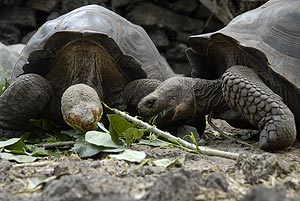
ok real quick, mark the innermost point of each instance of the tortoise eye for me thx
(150, 103)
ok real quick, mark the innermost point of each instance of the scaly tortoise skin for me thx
(73, 62)
(245, 72)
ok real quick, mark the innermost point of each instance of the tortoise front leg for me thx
(246, 92)
(23, 100)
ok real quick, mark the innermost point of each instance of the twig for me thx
(56, 144)
(202, 149)
(223, 134)
(35, 164)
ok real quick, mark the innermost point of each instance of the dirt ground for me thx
(256, 176)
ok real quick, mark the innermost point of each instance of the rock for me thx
(53, 15)
(46, 5)
(217, 181)
(182, 37)
(159, 38)
(183, 68)
(176, 185)
(121, 3)
(262, 193)
(148, 14)
(177, 52)
(68, 5)
(11, 2)
(181, 6)
(202, 12)
(258, 167)
(5, 195)
(212, 25)
(18, 16)
(9, 33)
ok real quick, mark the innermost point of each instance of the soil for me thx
(255, 176)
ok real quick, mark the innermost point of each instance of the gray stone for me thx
(159, 38)
(148, 14)
(9, 33)
(11, 2)
(19, 16)
(177, 52)
(68, 5)
(183, 68)
(202, 12)
(45, 5)
(120, 3)
(185, 7)
(263, 193)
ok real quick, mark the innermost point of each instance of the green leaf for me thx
(154, 143)
(9, 142)
(130, 155)
(132, 134)
(167, 163)
(117, 127)
(17, 158)
(17, 148)
(41, 151)
(85, 149)
(100, 139)
(35, 182)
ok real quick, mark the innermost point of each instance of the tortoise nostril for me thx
(150, 102)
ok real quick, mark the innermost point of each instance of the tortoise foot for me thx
(245, 92)
(23, 100)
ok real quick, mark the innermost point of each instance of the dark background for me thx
(168, 22)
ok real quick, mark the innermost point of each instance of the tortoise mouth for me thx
(85, 121)
(163, 117)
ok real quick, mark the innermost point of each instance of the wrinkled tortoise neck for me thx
(209, 96)
(85, 62)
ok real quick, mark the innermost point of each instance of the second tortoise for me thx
(247, 72)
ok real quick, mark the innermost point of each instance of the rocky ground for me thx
(256, 176)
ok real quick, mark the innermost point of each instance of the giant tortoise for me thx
(71, 63)
(250, 69)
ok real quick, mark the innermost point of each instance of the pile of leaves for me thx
(114, 142)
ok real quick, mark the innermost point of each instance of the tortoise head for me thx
(81, 107)
(172, 100)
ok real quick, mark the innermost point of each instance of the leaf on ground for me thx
(9, 142)
(17, 148)
(85, 149)
(73, 133)
(18, 158)
(35, 182)
(117, 126)
(102, 127)
(130, 155)
(132, 134)
(41, 151)
(168, 163)
(154, 143)
(100, 139)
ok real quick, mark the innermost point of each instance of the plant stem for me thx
(56, 144)
(203, 150)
